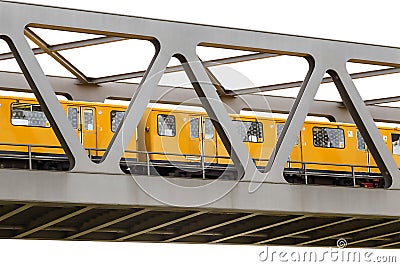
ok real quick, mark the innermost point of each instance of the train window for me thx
(279, 128)
(88, 119)
(23, 114)
(194, 128)
(328, 137)
(396, 143)
(249, 131)
(73, 117)
(360, 142)
(209, 129)
(116, 118)
(166, 125)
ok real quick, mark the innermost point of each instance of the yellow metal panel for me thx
(329, 157)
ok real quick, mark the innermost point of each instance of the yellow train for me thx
(178, 141)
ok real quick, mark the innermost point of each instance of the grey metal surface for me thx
(294, 84)
(384, 100)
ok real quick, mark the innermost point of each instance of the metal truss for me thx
(53, 49)
(167, 39)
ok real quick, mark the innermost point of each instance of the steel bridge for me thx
(96, 201)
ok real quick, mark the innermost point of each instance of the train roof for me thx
(23, 98)
(195, 110)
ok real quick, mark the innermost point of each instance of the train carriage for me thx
(182, 141)
(26, 130)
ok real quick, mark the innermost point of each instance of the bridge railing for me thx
(140, 162)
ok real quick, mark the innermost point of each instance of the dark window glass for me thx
(88, 119)
(166, 125)
(328, 137)
(249, 131)
(116, 118)
(73, 117)
(23, 114)
(194, 128)
(360, 142)
(395, 144)
(209, 129)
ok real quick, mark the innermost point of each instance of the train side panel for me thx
(108, 120)
(23, 123)
(391, 138)
(161, 135)
(258, 135)
(395, 145)
(333, 146)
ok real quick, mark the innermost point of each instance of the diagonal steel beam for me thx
(304, 231)
(108, 39)
(57, 56)
(202, 230)
(109, 223)
(68, 46)
(172, 69)
(288, 85)
(382, 100)
(122, 238)
(389, 244)
(348, 232)
(15, 212)
(373, 238)
(259, 229)
(53, 222)
(74, 229)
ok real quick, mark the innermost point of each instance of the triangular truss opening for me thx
(339, 146)
(27, 137)
(91, 58)
(93, 124)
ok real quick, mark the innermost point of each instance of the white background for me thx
(359, 21)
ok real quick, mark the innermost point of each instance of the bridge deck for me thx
(84, 206)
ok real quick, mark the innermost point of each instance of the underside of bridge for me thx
(65, 206)
(154, 224)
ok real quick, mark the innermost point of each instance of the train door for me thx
(202, 139)
(361, 156)
(390, 142)
(83, 121)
